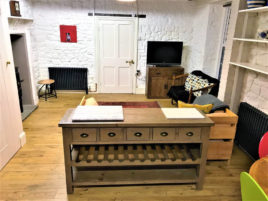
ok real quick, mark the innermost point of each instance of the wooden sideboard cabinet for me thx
(159, 80)
(145, 148)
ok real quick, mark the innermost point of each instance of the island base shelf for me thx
(134, 177)
(136, 155)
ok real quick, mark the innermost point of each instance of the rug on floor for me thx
(148, 104)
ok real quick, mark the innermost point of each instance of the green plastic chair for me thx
(250, 189)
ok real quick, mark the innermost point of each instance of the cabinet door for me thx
(159, 87)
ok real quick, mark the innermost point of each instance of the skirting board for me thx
(22, 139)
(140, 90)
(71, 91)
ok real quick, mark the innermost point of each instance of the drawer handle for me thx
(164, 134)
(111, 134)
(190, 134)
(138, 134)
(84, 135)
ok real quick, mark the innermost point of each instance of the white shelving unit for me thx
(246, 44)
(249, 66)
(255, 10)
(251, 40)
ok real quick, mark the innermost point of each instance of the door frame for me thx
(26, 38)
(223, 39)
(97, 20)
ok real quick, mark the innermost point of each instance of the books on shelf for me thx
(98, 113)
(182, 113)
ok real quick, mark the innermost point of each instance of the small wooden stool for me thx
(48, 91)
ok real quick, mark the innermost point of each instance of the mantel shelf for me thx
(20, 18)
(253, 67)
(255, 10)
(251, 40)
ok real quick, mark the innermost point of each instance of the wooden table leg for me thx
(69, 186)
(67, 137)
(201, 169)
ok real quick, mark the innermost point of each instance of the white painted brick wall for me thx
(198, 26)
(168, 21)
(26, 12)
(255, 91)
(172, 20)
(213, 40)
(115, 7)
(25, 8)
(48, 50)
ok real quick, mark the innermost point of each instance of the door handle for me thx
(8, 63)
(130, 62)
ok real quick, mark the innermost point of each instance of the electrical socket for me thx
(138, 73)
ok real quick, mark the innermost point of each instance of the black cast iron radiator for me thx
(252, 124)
(69, 78)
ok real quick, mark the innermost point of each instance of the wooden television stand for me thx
(145, 148)
(159, 80)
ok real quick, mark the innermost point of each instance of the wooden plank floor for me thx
(36, 172)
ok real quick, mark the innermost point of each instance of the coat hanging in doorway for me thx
(68, 34)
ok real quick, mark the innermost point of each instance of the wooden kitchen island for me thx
(145, 148)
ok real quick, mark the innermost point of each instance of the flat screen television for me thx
(164, 53)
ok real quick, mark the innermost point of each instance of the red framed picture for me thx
(68, 34)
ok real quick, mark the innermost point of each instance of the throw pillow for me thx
(205, 108)
(196, 82)
(191, 81)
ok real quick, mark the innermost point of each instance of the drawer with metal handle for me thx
(138, 134)
(164, 133)
(84, 134)
(111, 134)
(189, 134)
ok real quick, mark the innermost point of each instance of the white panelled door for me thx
(10, 116)
(116, 55)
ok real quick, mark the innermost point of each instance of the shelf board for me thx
(20, 18)
(135, 163)
(131, 177)
(251, 40)
(255, 10)
(253, 67)
(110, 155)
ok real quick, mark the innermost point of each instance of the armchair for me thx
(195, 84)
